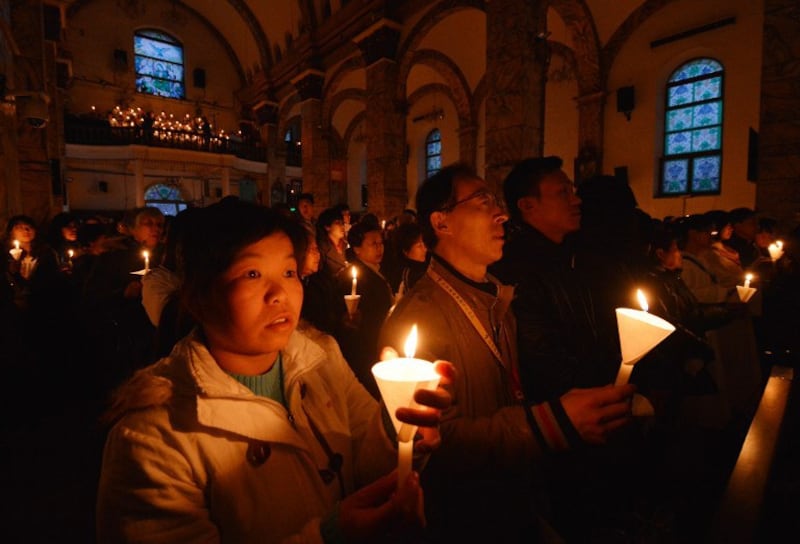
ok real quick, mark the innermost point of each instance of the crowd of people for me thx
(228, 353)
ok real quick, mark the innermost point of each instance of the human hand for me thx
(133, 290)
(432, 401)
(380, 507)
(597, 411)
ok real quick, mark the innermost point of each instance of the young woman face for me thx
(418, 251)
(371, 251)
(23, 232)
(69, 232)
(258, 303)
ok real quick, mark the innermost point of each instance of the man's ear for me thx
(439, 221)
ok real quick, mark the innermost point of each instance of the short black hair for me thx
(217, 234)
(407, 235)
(436, 193)
(359, 231)
(326, 219)
(305, 196)
(739, 215)
(524, 180)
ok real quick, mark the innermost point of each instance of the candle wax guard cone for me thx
(397, 381)
(351, 301)
(639, 332)
(745, 293)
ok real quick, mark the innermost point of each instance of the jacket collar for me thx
(501, 301)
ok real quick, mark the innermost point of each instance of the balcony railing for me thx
(94, 132)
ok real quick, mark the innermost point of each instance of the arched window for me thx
(159, 64)
(292, 139)
(166, 198)
(692, 162)
(433, 152)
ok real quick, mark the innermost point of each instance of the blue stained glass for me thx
(696, 68)
(707, 114)
(159, 69)
(705, 139)
(679, 142)
(680, 94)
(157, 49)
(675, 178)
(679, 119)
(160, 191)
(434, 148)
(434, 164)
(705, 174)
(159, 87)
(707, 89)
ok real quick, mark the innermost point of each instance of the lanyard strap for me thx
(466, 309)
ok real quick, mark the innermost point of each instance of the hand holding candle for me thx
(16, 252)
(398, 380)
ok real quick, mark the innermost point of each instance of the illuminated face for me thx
(148, 230)
(474, 224)
(23, 232)
(557, 210)
(336, 230)
(306, 209)
(418, 251)
(258, 300)
(371, 251)
(69, 232)
(311, 263)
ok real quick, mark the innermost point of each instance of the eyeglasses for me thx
(488, 199)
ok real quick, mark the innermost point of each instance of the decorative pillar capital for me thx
(309, 84)
(379, 41)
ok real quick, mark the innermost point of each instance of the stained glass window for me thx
(166, 198)
(159, 64)
(692, 162)
(433, 152)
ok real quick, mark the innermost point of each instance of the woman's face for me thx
(23, 232)
(726, 232)
(336, 230)
(69, 232)
(671, 259)
(417, 252)
(371, 251)
(258, 303)
(311, 263)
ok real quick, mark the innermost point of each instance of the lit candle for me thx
(639, 332)
(747, 279)
(398, 379)
(746, 292)
(16, 252)
(354, 273)
(775, 250)
(70, 255)
(146, 255)
(383, 224)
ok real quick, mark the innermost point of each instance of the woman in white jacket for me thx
(250, 431)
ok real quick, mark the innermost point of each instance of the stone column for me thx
(468, 145)
(385, 122)
(225, 181)
(267, 115)
(778, 188)
(138, 181)
(516, 63)
(316, 154)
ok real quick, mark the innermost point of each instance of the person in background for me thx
(745, 225)
(411, 259)
(62, 237)
(249, 431)
(305, 211)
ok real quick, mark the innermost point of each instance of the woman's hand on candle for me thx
(380, 507)
(597, 411)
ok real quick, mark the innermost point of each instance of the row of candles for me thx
(164, 123)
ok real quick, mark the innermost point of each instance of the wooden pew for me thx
(737, 518)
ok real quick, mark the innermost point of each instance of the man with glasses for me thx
(479, 484)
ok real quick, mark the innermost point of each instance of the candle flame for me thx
(146, 254)
(411, 342)
(748, 277)
(16, 244)
(642, 300)
(70, 253)
(354, 272)
(779, 244)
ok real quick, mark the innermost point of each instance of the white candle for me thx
(383, 224)
(398, 380)
(747, 279)
(639, 332)
(146, 255)
(354, 272)
(16, 252)
(775, 250)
